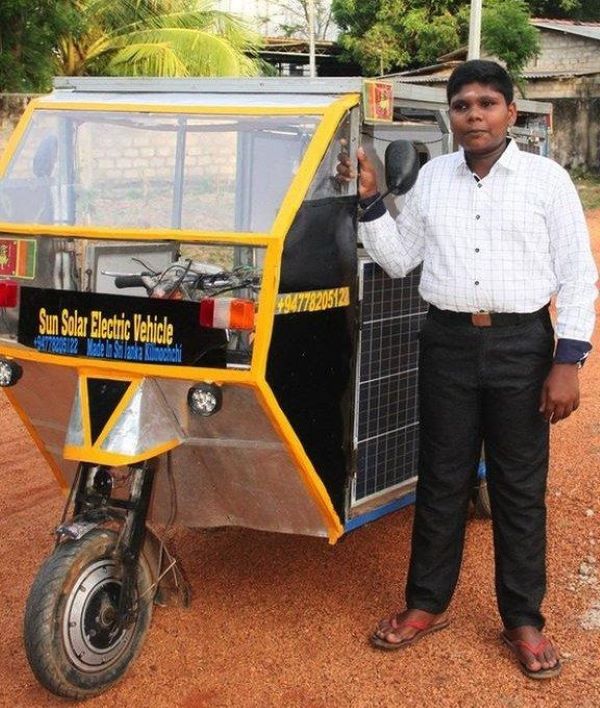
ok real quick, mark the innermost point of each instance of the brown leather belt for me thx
(485, 319)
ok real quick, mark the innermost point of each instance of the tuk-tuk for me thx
(191, 334)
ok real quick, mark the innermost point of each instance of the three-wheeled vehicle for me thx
(191, 335)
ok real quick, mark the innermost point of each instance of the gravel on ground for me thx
(282, 620)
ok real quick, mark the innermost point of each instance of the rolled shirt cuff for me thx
(373, 212)
(571, 351)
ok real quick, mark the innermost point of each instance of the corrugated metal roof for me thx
(562, 74)
(442, 78)
(590, 30)
(435, 79)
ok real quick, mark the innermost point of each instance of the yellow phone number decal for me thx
(312, 301)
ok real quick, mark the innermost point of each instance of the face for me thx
(480, 117)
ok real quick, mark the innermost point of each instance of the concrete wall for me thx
(576, 102)
(576, 138)
(561, 51)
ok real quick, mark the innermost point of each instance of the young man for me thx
(499, 232)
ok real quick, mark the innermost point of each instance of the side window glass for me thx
(324, 184)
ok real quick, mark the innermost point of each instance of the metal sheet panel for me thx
(250, 485)
(231, 470)
(146, 423)
(46, 394)
(191, 100)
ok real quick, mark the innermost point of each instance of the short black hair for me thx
(479, 71)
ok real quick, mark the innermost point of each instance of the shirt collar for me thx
(508, 160)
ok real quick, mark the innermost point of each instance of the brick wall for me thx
(132, 154)
(566, 52)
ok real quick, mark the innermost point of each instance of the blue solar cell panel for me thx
(386, 422)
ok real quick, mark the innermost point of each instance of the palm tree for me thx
(158, 38)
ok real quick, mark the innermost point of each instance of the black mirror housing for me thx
(401, 166)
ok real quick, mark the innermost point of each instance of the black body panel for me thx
(310, 365)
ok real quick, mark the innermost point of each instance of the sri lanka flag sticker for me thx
(17, 257)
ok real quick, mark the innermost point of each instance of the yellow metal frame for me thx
(272, 241)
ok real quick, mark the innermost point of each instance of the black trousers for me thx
(482, 385)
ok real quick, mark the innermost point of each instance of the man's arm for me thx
(576, 273)
(397, 247)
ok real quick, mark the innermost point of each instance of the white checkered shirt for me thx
(507, 243)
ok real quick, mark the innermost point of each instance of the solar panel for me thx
(387, 418)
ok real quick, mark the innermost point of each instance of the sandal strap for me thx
(419, 625)
(534, 649)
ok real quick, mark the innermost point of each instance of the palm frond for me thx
(140, 59)
(160, 38)
(201, 53)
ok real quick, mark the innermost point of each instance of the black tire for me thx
(70, 642)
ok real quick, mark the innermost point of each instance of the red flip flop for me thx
(422, 626)
(516, 646)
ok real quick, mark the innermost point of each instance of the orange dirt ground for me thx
(283, 620)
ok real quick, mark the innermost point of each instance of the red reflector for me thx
(9, 293)
(227, 313)
(207, 309)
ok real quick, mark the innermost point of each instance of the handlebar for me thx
(129, 281)
(190, 279)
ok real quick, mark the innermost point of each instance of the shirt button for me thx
(477, 216)
(479, 185)
(476, 250)
(476, 282)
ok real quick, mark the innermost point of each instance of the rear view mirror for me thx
(401, 166)
(401, 169)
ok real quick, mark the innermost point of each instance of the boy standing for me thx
(499, 232)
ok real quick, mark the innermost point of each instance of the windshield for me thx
(118, 169)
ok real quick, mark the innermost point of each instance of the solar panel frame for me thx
(386, 425)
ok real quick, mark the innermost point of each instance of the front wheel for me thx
(74, 644)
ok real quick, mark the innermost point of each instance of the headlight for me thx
(205, 399)
(10, 372)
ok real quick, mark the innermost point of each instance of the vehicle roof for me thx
(265, 92)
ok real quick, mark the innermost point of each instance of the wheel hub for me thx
(92, 636)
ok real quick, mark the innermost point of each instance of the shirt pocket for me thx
(525, 242)
(525, 221)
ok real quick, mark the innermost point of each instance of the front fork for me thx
(94, 505)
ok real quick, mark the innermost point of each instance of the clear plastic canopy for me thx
(153, 170)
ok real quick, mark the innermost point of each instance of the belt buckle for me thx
(481, 319)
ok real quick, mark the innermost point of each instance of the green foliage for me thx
(383, 35)
(430, 36)
(584, 10)
(355, 16)
(508, 35)
(40, 38)
(158, 38)
(372, 32)
(28, 31)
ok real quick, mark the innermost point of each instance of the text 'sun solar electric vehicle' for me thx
(191, 335)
